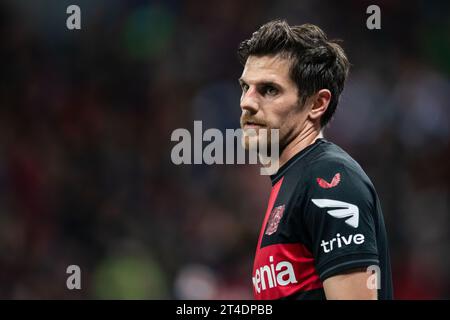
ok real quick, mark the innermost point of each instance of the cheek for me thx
(289, 121)
(282, 116)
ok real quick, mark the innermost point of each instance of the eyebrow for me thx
(264, 83)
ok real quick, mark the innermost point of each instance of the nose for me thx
(249, 101)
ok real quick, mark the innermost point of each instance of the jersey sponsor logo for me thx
(272, 275)
(327, 185)
(283, 269)
(274, 220)
(347, 210)
(342, 241)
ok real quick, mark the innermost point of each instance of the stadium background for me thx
(85, 124)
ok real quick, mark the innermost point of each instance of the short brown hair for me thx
(317, 63)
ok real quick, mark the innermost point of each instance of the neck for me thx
(304, 139)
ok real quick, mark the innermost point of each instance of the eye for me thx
(270, 90)
(244, 87)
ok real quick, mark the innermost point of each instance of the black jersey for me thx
(323, 218)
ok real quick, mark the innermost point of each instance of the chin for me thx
(256, 143)
(250, 142)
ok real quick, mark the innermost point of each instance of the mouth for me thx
(253, 125)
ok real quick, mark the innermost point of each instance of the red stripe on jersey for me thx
(273, 196)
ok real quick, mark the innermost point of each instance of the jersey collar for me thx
(281, 171)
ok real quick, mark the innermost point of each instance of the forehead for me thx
(267, 68)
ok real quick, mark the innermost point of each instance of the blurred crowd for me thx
(85, 123)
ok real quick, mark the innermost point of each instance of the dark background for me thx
(85, 122)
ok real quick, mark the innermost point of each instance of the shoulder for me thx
(331, 173)
(331, 164)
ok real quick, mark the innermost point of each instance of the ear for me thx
(320, 102)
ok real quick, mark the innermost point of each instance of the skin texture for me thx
(349, 286)
(270, 100)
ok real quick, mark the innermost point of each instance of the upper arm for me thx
(351, 285)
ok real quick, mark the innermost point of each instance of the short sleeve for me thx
(338, 213)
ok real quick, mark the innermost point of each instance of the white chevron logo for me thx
(347, 210)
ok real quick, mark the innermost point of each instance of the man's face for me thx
(270, 100)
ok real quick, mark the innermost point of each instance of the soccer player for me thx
(323, 235)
